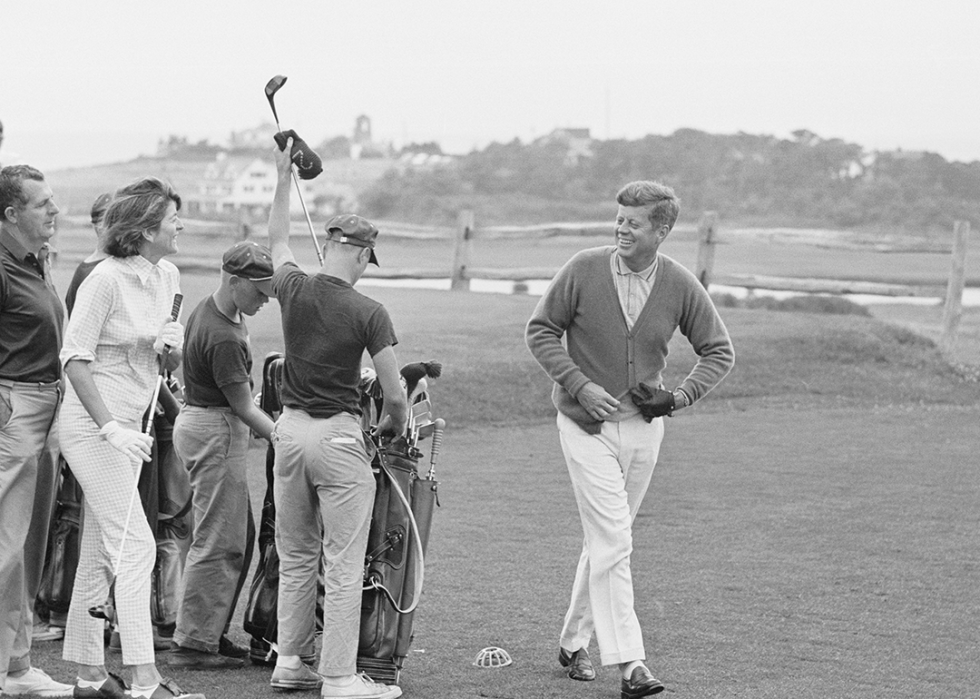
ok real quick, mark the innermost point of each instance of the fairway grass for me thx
(810, 530)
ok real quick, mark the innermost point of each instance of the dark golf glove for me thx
(306, 161)
(652, 402)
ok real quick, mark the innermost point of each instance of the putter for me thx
(271, 88)
(107, 611)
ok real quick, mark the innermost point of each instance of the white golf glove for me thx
(171, 334)
(133, 444)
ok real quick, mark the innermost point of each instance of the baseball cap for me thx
(353, 230)
(99, 207)
(249, 260)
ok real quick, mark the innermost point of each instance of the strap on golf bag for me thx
(58, 578)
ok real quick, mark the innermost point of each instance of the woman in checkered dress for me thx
(113, 346)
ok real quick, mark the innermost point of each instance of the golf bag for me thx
(173, 530)
(63, 545)
(394, 561)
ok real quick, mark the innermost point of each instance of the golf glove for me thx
(171, 335)
(133, 444)
(653, 402)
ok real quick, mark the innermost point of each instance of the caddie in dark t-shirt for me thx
(211, 437)
(323, 469)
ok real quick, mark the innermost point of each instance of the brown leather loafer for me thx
(641, 684)
(578, 663)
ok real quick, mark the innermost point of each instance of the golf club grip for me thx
(174, 312)
(175, 309)
(439, 425)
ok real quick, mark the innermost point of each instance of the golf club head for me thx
(105, 611)
(271, 88)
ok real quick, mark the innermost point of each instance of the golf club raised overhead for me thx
(271, 88)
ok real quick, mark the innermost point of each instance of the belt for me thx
(39, 385)
(218, 408)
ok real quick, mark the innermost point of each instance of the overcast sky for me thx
(102, 81)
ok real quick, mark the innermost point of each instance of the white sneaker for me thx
(46, 632)
(36, 681)
(363, 687)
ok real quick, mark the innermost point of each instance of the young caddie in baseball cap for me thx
(353, 230)
(251, 261)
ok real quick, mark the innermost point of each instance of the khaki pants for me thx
(323, 479)
(28, 477)
(212, 443)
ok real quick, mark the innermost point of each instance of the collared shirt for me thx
(632, 287)
(117, 315)
(31, 315)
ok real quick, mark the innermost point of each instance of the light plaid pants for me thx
(108, 479)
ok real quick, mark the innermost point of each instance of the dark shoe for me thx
(288, 678)
(113, 688)
(192, 659)
(641, 684)
(168, 689)
(230, 649)
(578, 663)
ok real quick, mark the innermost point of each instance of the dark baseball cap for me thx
(249, 260)
(353, 230)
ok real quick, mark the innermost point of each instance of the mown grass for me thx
(810, 531)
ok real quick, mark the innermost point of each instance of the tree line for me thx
(748, 179)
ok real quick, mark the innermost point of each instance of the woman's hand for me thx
(133, 444)
(170, 335)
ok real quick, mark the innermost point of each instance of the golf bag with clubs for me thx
(398, 538)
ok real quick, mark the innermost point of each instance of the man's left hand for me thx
(652, 402)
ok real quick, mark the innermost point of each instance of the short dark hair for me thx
(664, 204)
(136, 208)
(99, 207)
(12, 186)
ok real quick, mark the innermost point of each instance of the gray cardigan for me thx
(581, 304)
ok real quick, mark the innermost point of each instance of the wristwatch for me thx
(680, 399)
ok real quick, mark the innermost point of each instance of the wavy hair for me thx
(664, 204)
(135, 209)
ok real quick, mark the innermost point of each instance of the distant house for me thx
(235, 185)
(577, 141)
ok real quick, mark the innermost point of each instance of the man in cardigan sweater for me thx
(617, 309)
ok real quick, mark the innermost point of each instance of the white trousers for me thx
(610, 474)
(108, 479)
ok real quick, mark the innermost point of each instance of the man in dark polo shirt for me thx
(211, 438)
(323, 468)
(31, 324)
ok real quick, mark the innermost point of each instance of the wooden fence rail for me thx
(708, 238)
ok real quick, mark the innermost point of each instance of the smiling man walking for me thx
(617, 309)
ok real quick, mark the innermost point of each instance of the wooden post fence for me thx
(707, 229)
(459, 277)
(953, 308)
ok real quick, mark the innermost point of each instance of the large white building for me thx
(236, 185)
